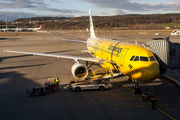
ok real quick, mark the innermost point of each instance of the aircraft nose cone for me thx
(151, 72)
(147, 73)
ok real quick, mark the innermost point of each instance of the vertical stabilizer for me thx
(92, 33)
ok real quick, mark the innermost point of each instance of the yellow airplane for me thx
(132, 60)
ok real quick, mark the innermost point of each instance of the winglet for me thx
(92, 33)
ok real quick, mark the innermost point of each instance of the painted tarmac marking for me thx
(133, 106)
(169, 104)
(146, 101)
(136, 94)
(123, 98)
(117, 94)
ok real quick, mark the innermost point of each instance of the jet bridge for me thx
(166, 52)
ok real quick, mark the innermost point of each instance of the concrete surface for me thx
(17, 71)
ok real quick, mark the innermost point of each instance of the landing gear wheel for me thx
(77, 89)
(137, 91)
(101, 88)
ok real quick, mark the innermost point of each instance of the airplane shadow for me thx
(17, 56)
(21, 66)
(3, 38)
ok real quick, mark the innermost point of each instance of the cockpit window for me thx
(152, 58)
(132, 58)
(144, 58)
(136, 58)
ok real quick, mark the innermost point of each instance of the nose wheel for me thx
(136, 90)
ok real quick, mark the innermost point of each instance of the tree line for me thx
(131, 21)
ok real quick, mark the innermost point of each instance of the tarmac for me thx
(17, 71)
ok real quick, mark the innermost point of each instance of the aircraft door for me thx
(102, 52)
(123, 54)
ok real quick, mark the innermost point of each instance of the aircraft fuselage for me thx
(132, 60)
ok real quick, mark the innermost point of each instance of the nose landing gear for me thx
(136, 90)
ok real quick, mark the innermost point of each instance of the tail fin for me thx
(92, 33)
(40, 26)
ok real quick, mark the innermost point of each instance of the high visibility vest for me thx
(155, 97)
(57, 80)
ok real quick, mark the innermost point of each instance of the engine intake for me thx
(79, 71)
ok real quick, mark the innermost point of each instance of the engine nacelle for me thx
(79, 71)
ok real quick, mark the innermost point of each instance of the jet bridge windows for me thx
(172, 52)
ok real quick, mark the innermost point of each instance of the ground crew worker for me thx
(154, 100)
(57, 82)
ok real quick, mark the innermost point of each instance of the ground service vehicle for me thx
(98, 84)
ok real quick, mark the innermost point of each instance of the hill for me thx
(132, 21)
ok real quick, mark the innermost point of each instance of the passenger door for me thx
(123, 54)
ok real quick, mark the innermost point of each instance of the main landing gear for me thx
(136, 90)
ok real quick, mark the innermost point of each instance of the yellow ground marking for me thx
(142, 32)
(117, 94)
(133, 106)
(124, 98)
(169, 104)
(132, 92)
(147, 101)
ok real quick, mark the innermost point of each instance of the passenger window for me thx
(152, 58)
(144, 58)
(136, 58)
(132, 58)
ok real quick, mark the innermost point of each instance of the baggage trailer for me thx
(37, 90)
(50, 85)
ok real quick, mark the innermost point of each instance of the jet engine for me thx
(79, 71)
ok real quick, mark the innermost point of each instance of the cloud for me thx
(22, 4)
(118, 12)
(34, 5)
(61, 10)
(77, 15)
(103, 13)
(56, 1)
(15, 15)
(136, 6)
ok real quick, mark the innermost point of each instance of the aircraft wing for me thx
(76, 58)
(75, 40)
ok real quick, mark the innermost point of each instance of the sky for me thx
(14, 9)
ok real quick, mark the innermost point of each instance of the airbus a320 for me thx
(132, 60)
